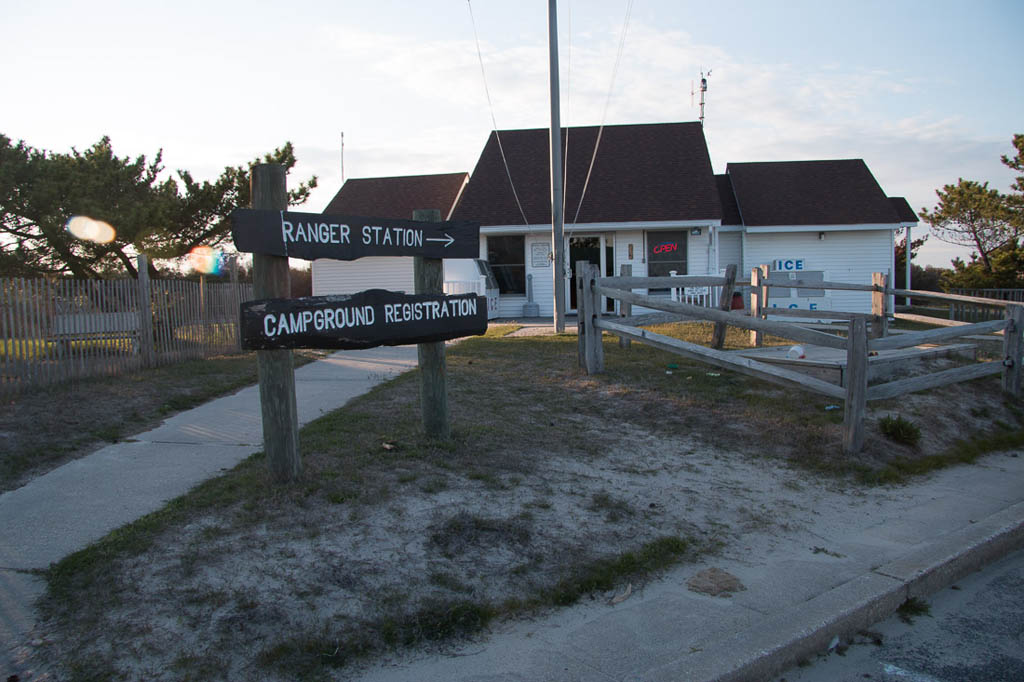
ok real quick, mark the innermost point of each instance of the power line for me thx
(608, 99)
(494, 122)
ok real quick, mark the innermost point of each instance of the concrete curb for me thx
(807, 629)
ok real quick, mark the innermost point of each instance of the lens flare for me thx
(90, 230)
(205, 259)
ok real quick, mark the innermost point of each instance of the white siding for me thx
(843, 256)
(543, 282)
(730, 250)
(697, 253)
(349, 277)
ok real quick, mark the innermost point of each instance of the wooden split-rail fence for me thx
(56, 331)
(591, 287)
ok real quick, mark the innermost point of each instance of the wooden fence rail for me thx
(994, 298)
(65, 330)
(590, 287)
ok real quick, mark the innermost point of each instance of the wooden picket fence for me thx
(995, 301)
(55, 331)
(590, 287)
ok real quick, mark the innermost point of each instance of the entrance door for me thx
(588, 248)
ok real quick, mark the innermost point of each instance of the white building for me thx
(817, 220)
(643, 195)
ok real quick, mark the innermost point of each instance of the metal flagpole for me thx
(557, 217)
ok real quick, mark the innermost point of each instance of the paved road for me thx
(974, 632)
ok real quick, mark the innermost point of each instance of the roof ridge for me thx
(404, 177)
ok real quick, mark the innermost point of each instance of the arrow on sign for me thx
(448, 241)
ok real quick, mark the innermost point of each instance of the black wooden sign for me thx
(314, 235)
(370, 318)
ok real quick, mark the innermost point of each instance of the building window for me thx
(507, 256)
(666, 251)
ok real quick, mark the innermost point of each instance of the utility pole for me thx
(557, 217)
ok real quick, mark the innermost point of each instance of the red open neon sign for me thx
(665, 247)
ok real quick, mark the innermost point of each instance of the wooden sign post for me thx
(276, 371)
(273, 324)
(429, 277)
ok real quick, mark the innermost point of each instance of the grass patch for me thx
(901, 469)
(913, 608)
(454, 535)
(605, 574)
(900, 430)
(497, 331)
(614, 509)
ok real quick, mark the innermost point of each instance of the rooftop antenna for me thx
(343, 157)
(703, 89)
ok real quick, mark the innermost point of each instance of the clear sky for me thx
(924, 91)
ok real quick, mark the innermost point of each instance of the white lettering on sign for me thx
(392, 236)
(321, 233)
(788, 264)
(397, 313)
(320, 320)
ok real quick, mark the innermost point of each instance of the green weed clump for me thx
(912, 608)
(900, 430)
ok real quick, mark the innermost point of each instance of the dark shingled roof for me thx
(730, 210)
(649, 172)
(397, 197)
(903, 210)
(836, 192)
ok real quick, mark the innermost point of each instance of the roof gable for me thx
(398, 197)
(903, 210)
(830, 192)
(651, 172)
(730, 210)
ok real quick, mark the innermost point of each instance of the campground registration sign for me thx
(370, 318)
(309, 236)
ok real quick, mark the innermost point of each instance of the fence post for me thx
(758, 300)
(276, 371)
(879, 320)
(581, 324)
(625, 309)
(725, 304)
(591, 309)
(1013, 350)
(204, 322)
(145, 294)
(429, 277)
(236, 303)
(856, 386)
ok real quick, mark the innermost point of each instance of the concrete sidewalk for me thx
(78, 503)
